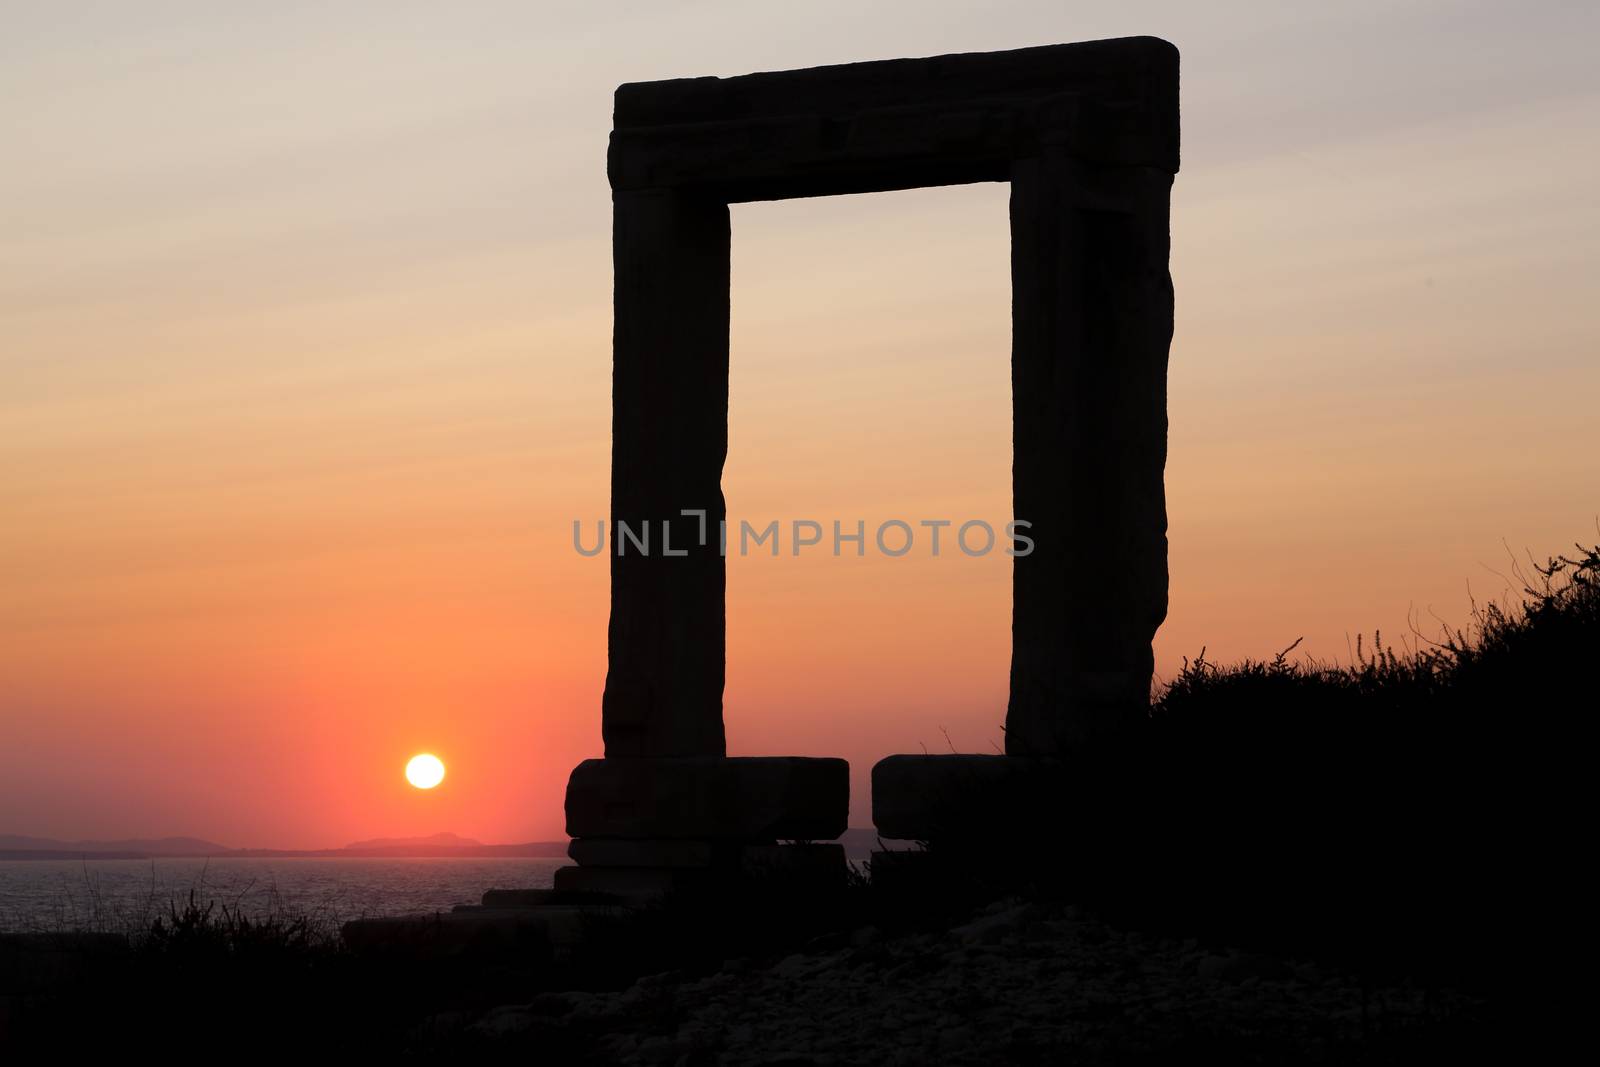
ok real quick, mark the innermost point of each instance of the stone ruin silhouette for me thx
(1087, 135)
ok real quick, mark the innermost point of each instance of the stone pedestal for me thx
(794, 866)
(740, 799)
(644, 828)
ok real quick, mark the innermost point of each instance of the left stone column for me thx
(666, 662)
(666, 811)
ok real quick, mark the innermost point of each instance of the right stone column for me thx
(1091, 325)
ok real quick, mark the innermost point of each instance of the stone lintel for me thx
(898, 124)
(928, 798)
(739, 799)
(875, 151)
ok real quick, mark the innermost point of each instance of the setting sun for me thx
(425, 771)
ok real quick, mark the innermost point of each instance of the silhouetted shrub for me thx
(1415, 812)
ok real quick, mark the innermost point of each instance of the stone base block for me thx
(635, 868)
(738, 799)
(925, 798)
(637, 852)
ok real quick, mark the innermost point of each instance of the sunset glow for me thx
(307, 319)
(425, 771)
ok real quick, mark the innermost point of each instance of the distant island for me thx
(434, 846)
(443, 840)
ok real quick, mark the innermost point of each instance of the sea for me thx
(127, 895)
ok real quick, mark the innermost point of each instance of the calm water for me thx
(127, 894)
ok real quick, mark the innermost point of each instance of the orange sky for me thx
(306, 341)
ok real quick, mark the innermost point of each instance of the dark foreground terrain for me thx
(1014, 981)
(1017, 983)
(1285, 862)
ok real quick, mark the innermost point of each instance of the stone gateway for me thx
(1087, 135)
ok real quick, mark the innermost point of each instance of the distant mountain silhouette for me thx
(159, 846)
(441, 840)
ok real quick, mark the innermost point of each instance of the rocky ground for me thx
(1018, 983)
